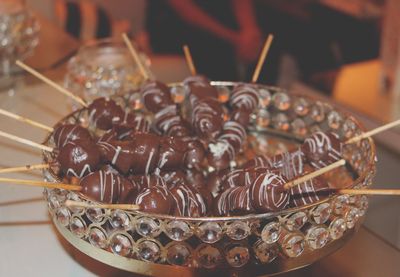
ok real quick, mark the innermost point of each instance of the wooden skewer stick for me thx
(26, 141)
(374, 131)
(189, 60)
(24, 168)
(314, 174)
(262, 57)
(51, 83)
(71, 203)
(26, 120)
(34, 183)
(370, 191)
(135, 56)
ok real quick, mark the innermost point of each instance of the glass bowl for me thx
(253, 244)
(19, 31)
(103, 68)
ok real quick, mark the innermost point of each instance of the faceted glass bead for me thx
(337, 228)
(362, 204)
(178, 254)
(238, 230)
(208, 256)
(352, 217)
(135, 101)
(148, 251)
(334, 120)
(296, 221)
(78, 226)
(299, 127)
(147, 227)
(293, 245)
(281, 122)
(265, 252)
(76, 210)
(95, 215)
(178, 94)
(353, 199)
(120, 244)
(265, 97)
(340, 204)
(317, 237)
(97, 238)
(263, 118)
(223, 94)
(318, 112)
(301, 106)
(237, 255)
(53, 202)
(178, 230)
(321, 213)
(281, 101)
(120, 220)
(271, 232)
(349, 127)
(63, 216)
(209, 232)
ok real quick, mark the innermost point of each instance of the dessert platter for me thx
(206, 177)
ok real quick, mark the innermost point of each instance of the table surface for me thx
(27, 236)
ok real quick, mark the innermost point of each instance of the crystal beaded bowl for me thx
(103, 68)
(256, 244)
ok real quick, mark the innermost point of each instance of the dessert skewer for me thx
(34, 183)
(26, 120)
(262, 57)
(26, 142)
(374, 131)
(135, 56)
(51, 83)
(24, 168)
(189, 60)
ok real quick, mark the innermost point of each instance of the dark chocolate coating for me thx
(118, 153)
(174, 178)
(227, 146)
(241, 116)
(69, 132)
(146, 153)
(245, 96)
(322, 149)
(195, 153)
(289, 164)
(267, 193)
(207, 118)
(132, 124)
(188, 201)
(109, 188)
(156, 96)
(171, 153)
(103, 113)
(309, 192)
(168, 121)
(220, 154)
(139, 155)
(155, 199)
(147, 181)
(199, 87)
(78, 158)
(234, 201)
